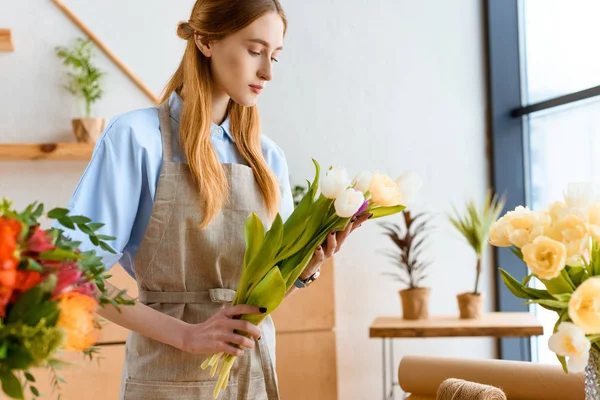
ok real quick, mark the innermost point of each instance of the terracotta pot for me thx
(415, 303)
(87, 130)
(470, 305)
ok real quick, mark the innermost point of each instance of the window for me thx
(544, 77)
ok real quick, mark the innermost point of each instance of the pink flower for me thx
(67, 279)
(39, 241)
(88, 289)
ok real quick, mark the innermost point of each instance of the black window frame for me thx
(507, 119)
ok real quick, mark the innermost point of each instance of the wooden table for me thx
(496, 324)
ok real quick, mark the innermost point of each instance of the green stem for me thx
(477, 275)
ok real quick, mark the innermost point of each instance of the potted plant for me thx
(475, 227)
(84, 82)
(410, 239)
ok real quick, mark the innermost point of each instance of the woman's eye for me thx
(254, 53)
(274, 60)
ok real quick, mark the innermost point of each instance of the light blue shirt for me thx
(119, 184)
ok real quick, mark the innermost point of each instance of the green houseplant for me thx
(84, 81)
(410, 238)
(474, 225)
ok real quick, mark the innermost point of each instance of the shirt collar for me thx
(176, 108)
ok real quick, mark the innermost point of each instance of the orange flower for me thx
(78, 320)
(9, 232)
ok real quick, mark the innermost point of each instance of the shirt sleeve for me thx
(287, 200)
(275, 157)
(109, 193)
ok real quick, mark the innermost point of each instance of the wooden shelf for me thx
(46, 151)
(495, 324)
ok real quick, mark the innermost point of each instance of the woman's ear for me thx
(203, 45)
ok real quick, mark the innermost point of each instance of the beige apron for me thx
(190, 274)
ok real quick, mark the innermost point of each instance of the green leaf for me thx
(268, 293)
(514, 285)
(3, 350)
(565, 297)
(578, 275)
(59, 254)
(38, 212)
(33, 265)
(29, 377)
(254, 233)
(385, 211)
(80, 219)
(17, 357)
(83, 228)
(106, 247)
(105, 237)
(95, 226)
(527, 279)
(263, 261)
(559, 284)
(554, 304)
(563, 363)
(34, 391)
(33, 305)
(94, 239)
(57, 213)
(593, 338)
(517, 252)
(66, 222)
(314, 221)
(11, 385)
(28, 300)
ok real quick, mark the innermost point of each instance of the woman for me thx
(175, 184)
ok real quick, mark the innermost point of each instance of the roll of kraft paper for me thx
(422, 376)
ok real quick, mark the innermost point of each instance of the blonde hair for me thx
(214, 20)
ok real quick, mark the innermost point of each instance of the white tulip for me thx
(348, 203)
(409, 184)
(334, 183)
(570, 341)
(362, 181)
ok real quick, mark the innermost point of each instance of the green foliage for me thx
(84, 78)
(475, 223)
(410, 238)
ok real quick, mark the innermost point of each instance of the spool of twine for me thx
(458, 389)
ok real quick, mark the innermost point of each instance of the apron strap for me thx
(219, 295)
(164, 118)
(268, 371)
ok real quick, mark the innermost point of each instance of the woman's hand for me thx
(217, 335)
(332, 245)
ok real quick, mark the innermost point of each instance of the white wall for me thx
(389, 85)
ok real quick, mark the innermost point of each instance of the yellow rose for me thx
(384, 191)
(545, 257)
(594, 221)
(570, 227)
(584, 306)
(555, 209)
(519, 227)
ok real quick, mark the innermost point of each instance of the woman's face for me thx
(242, 63)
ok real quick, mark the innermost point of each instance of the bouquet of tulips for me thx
(275, 259)
(560, 245)
(47, 294)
